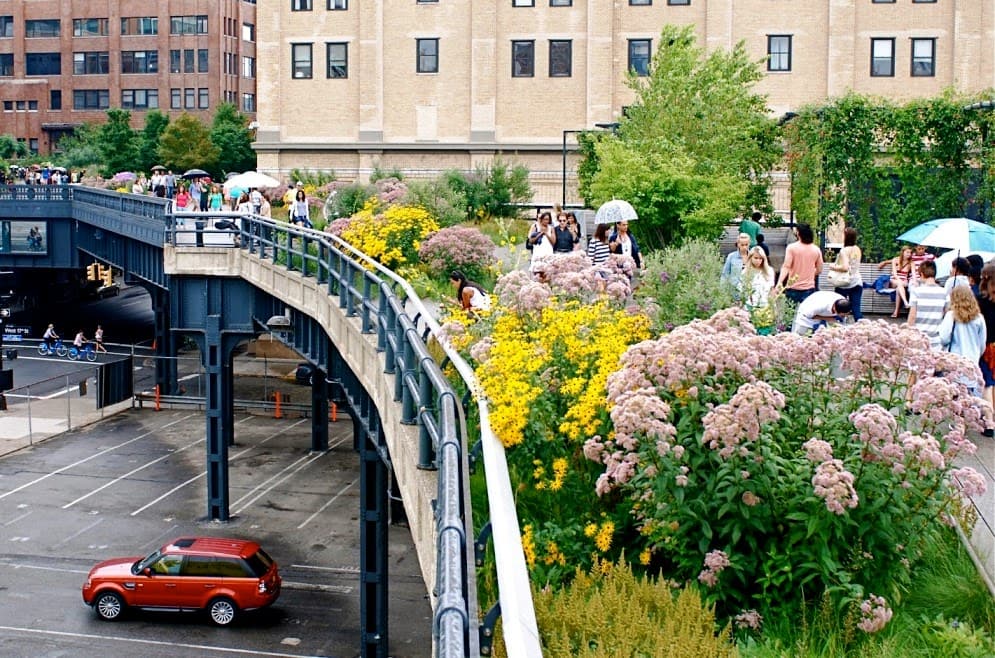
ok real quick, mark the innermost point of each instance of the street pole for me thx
(563, 197)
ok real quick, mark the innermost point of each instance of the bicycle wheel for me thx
(91, 354)
(43, 349)
(61, 349)
(73, 353)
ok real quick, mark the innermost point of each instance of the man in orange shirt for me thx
(802, 264)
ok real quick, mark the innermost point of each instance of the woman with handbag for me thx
(844, 274)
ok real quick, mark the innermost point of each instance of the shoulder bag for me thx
(839, 278)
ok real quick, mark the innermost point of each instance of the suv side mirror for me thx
(147, 571)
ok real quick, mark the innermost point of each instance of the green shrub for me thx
(448, 205)
(612, 612)
(684, 283)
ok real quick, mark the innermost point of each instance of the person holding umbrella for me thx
(623, 242)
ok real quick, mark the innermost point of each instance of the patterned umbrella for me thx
(614, 211)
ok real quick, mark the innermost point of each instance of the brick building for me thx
(65, 62)
(430, 84)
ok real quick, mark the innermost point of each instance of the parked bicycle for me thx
(78, 353)
(57, 347)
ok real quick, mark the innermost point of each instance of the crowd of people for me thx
(545, 239)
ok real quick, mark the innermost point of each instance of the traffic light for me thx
(92, 272)
(107, 275)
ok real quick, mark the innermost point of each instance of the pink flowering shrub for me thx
(457, 248)
(774, 469)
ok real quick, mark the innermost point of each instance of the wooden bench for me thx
(872, 302)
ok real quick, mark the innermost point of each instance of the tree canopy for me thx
(186, 144)
(229, 132)
(694, 150)
(117, 143)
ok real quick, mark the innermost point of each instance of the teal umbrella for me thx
(965, 235)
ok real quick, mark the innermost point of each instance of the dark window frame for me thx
(149, 60)
(294, 62)
(6, 27)
(79, 23)
(561, 43)
(530, 46)
(877, 60)
(135, 104)
(785, 54)
(135, 26)
(46, 60)
(31, 27)
(427, 62)
(632, 57)
(93, 99)
(913, 60)
(337, 69)
(640, 3)
(523, 3)
(329, 5)
(301, 5)
(6, 65)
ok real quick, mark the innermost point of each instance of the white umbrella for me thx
(614, 211)
(944, 261)
(251, 179)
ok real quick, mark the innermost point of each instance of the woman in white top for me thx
(541, 237)
(757, 279)
(471, 296)
(849, 261)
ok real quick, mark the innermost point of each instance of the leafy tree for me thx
(698, 111)
(11, 148)
(231, 136)
(492, 191)
(186, 144)
(155, 124)
(119, 144)
(81, 149)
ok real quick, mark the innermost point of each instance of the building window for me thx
(560, 64)
(6, 26)
(139, 99)
(338, 4)
(143, 25)
(140, 61)
(89, 27)
(202, 60)
(639, 56)
(188, 24)
(778, 52)
(91, 99)
(32, 106)
(55, 99)
(188, 61)
(203, 98)
(641, 3)
(923, 1)
(21, 106)
(8, 106)
(248, 32)
(175, 99)
(174, 61)
(43, 64)
(883, 2)
(248, 102)
(300, 57)
(882, 58)
(6, 65)
(923, 58)
(523, 3)
(91, 63)
(678, 2)
(42, 28)
(560, 3)
(248, 67)
(300, 5)
(33, 145)
(338, 60)
(428, 55)
(189, 98)
(523, 59)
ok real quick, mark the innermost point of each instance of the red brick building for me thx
(65, 62)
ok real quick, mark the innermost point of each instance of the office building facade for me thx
(66, 62)
(425, 85)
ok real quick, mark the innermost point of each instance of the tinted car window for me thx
(200, 566)
(260, 563)
(232, 567)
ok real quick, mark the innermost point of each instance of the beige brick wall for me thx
(385, 113)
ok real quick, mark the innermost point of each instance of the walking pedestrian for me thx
(98, 339)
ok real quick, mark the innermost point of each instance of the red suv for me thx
(222, 576)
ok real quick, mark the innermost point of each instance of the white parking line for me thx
(132, 472)
(16, 519)
(325, 506)
(157, 643)
(81, 531)
(230, 459)
(93, 456)
(40, 568)
(298, 465)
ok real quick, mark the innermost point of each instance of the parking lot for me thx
(130, 483)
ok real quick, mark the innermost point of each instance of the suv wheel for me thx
(223, 611)
(109, 606)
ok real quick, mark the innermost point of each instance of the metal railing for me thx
(386, 304)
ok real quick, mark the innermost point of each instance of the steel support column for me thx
(218, 402)
(373, 477)
(164, 342)
(319, 411)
